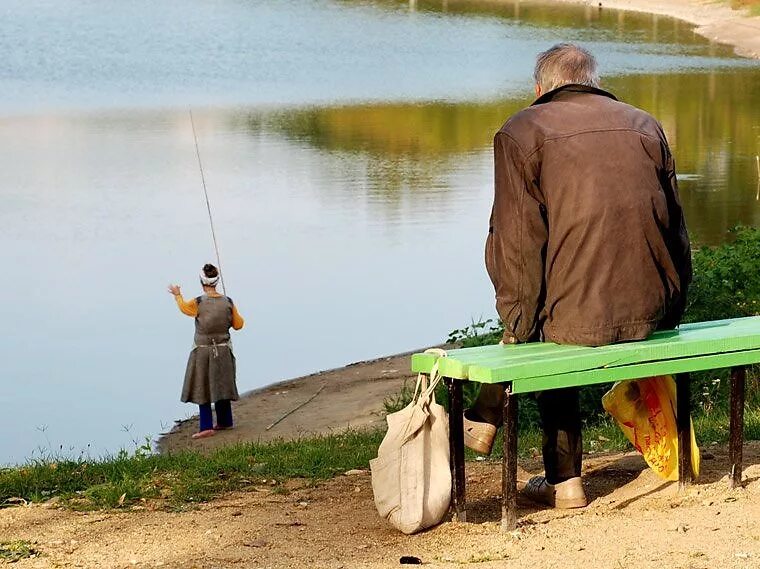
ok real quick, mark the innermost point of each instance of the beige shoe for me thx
(478, 436)
(564, 495)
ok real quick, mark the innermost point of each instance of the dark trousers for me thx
(561, 423)
(223, 415)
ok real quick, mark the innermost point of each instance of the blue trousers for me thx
(223, 415)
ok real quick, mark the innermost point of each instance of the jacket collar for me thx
(560, 92)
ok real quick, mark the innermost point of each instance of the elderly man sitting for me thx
(587, 243)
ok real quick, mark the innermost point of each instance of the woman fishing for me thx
(210, 374)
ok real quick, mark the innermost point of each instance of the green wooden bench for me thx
(528, 368)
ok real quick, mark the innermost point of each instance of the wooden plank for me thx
(606, 375)
(511, 368)
(506, 363)
(736, 434)
(423, 362)
(459, 367)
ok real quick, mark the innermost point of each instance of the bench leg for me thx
(456, 448)
(509, 463)
(736, 436)
(683, 424)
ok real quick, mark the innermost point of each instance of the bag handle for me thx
(435, 377)
(423, 391)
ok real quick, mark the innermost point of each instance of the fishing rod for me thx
(208, 205)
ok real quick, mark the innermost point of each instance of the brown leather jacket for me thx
(587, 243)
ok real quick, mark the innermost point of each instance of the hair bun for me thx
(210, 271)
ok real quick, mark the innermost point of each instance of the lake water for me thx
(346, 147)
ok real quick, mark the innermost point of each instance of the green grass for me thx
(186, 477)
(12, 551)
(180, 480)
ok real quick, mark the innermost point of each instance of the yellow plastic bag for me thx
(645, 409)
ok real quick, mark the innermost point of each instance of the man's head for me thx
(563, 64)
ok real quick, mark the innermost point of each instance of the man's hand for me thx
(174, 289)
(508, 339)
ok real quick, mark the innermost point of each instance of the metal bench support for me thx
(736, 435)
(683, 425)
(509, 462)
(456, 449)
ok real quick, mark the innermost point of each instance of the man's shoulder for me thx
(521, 128)
(520, 121)
(529, 128)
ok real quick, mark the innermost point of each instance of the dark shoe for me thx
(563, 495)
(478, 435)
(222, 427)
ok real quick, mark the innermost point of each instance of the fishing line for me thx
(208, 205)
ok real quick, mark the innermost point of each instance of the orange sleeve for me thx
(237, 320)
(189, 307)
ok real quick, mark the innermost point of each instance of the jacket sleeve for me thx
(516, 244)
(678, 242)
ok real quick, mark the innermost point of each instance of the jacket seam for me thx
(589, 131)
(517, 145)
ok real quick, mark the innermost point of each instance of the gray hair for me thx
(563, 64)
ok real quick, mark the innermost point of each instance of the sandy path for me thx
(635, 520)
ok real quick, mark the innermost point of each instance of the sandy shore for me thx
(714, 20)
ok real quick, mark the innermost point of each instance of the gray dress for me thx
(210, 374)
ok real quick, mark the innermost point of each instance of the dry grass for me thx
(752, 5)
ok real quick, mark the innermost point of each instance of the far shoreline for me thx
(716, 21)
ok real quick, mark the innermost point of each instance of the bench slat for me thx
(637, 371)
(493, 364)
(665, 346)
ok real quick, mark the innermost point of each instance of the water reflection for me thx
(711, 120)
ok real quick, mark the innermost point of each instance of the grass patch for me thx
(186, 477)
(178, 480)
(12, 551)
(752, 5)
